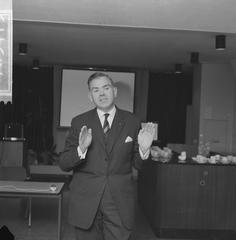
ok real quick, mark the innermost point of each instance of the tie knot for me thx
(106, 116)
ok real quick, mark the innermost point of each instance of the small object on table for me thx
(182, 157)
(53, 187)
(162, 155)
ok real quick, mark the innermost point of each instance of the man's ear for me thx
(90, 96)
(115, 91)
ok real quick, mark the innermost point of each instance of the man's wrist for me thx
(144, 153)
(144, 150)
(81, 154)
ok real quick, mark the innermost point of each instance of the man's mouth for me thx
(103, 99)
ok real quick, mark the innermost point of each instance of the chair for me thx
(15, 130)
(12, 153)
(13, 146)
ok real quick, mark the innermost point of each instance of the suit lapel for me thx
(97, 131)
(116, 129)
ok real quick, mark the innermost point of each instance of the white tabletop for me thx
(30, 187)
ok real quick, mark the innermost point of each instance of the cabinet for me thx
(188, 196)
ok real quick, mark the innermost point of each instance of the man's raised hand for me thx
(85, 138)
(146, 136)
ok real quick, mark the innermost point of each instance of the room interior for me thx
(128, 40)
(151, 45)
(147, 37)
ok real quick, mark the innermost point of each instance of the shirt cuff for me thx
(144, 156)
(81, 155)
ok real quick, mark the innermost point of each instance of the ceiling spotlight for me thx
(194, 58)
(35, 64)
(220, 42)
(178, 68)
(22, 48)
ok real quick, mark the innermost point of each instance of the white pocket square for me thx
(128, 139)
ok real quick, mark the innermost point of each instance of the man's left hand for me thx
(146, 136)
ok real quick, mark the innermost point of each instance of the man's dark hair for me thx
(98, 75)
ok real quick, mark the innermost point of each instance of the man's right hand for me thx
(85, 138)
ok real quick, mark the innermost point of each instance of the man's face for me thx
(102, 93)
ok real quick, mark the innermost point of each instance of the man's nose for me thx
(101, 92)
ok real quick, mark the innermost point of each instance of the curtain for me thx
(169, 95)
(32, 106)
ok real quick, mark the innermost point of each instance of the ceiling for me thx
(75, 44)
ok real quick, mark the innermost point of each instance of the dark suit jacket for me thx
(104, 164)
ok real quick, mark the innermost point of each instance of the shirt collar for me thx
(111, 113)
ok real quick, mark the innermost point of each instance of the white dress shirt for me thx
(110, 118)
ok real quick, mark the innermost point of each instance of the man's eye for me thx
(95, 90)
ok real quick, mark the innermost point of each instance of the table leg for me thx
(59, 216)
(30, 208)
(27, 209)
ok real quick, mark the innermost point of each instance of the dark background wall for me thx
(168, 97)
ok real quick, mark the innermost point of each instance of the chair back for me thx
(12, 153)
(15, 130)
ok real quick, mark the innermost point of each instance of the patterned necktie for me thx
(106, 126)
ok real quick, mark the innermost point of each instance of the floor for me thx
(44, 220)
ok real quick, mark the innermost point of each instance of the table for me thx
(31, 190)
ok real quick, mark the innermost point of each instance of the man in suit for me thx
(102, 146)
